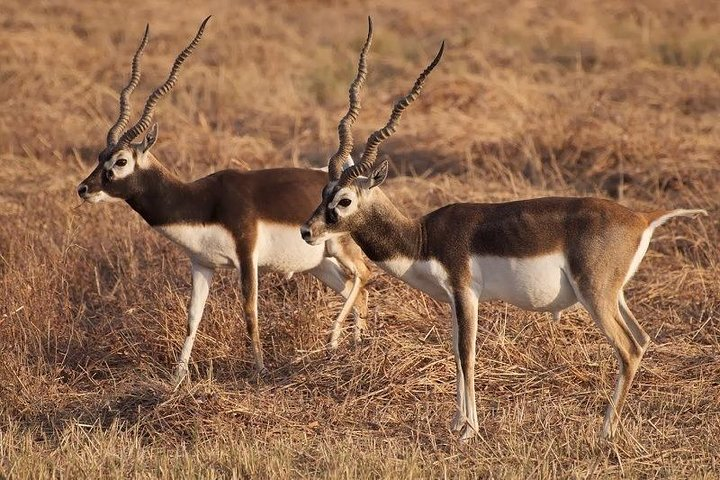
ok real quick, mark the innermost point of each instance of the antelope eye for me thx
(345, 202)
(121, 162)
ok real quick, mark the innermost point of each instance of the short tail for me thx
(658, 217)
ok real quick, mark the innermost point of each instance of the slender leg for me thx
(642, 338)
(360, 309)
(201, 280)
(249, 287)
(459, 419)
(628, 351)
(465, 313)
(360, 312)
(331, 274)
(349, 255)
(349, 304)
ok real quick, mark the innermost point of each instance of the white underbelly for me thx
(280, 248)
(532, 283)
(209, 245)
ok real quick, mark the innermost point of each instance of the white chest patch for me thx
(534, 283)
(209, 245)
(428, 276)
(280, 248)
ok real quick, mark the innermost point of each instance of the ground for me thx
(615, 98)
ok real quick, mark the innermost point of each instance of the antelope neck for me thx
(162, 199)
(386, 234)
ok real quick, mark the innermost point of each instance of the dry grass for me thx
(613, 98)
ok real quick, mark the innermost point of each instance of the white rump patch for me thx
(647, 236)
(639, 253)
(209, 245)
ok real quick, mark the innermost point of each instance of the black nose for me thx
(82, 190)
(305, 233)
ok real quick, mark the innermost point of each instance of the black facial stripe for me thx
(331, 216)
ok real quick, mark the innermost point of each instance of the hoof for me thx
(359, 332)
(608, 433)
(181, 373)
(458, 422)
(467, 433)
(261, 371)
(334, 338)
(357, 338)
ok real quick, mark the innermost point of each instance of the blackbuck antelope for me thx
(544, 254)
(249, 221)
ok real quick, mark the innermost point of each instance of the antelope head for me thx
(350, 193)
(122, 163)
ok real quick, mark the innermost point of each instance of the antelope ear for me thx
(150, 138)
(378, 174)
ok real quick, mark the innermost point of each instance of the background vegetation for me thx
(614, 98)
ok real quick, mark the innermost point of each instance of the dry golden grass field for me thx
(612, 98)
